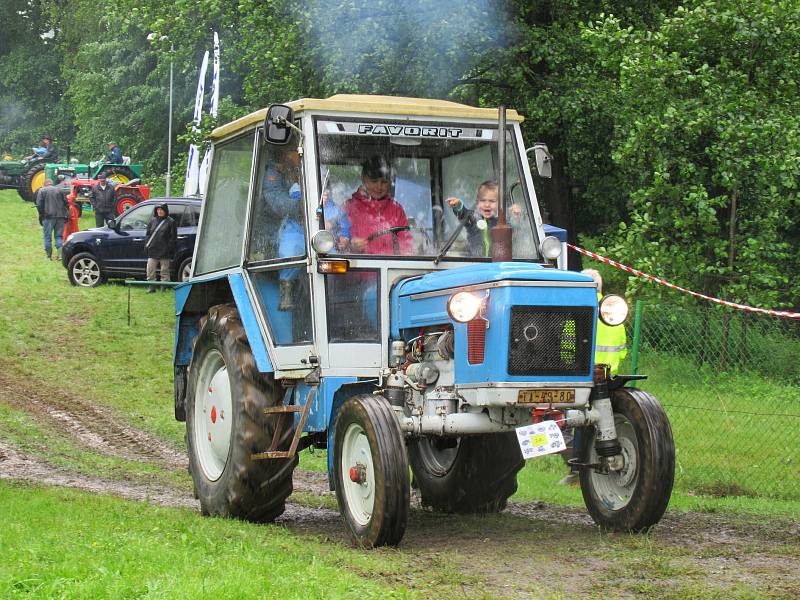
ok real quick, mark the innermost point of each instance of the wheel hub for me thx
(358, 473)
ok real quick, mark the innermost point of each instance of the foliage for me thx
(706, 116)
(661, 116)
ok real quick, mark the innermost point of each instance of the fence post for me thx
(637, 327)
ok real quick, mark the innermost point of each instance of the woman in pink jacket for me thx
(378, 222)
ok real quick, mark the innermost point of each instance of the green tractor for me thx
(28, 175)
(25, 175)
(119, 173)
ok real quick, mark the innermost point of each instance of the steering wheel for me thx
(392, 230)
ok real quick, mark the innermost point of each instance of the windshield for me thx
(406, 188)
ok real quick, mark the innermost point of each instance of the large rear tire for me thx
(118, 174)
(471, 474)
(31, 181)
(126, 200)
(371, 471)
(225, 425)
(634, 498)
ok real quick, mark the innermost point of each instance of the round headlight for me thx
(463, 306)
(550, 247)
(613, 310)
(322, 242)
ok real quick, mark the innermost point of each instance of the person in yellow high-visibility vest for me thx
(610, 349)
(610, 345)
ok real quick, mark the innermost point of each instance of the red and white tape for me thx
(613, 263)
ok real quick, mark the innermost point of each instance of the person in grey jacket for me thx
(51, 202)
(103, 201)
(160, 244)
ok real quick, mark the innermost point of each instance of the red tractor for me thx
(127, 194)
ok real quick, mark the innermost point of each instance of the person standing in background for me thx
(51, 202)
(160, 243)
(103, 201)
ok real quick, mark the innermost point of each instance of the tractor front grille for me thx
(550, 340)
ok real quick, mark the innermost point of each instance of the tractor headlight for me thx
(550, 247)
(613, 310)
(323, 241)
(464, 306)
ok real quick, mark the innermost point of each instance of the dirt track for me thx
(530, 550)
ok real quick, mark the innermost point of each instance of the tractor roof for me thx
(385, 105)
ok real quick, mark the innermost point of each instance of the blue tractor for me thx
(372, 276)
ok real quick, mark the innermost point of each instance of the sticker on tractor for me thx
(540, 439)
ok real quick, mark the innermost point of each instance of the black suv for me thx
(117, 251)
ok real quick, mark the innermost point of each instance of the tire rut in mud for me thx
(93, 427)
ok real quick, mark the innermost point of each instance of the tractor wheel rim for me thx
(119, 178)
(213, 415)
(86, 272)
(359, 495)
(438, 459)
(37, 181)
(615, 489)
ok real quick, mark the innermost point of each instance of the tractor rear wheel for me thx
(117, 174)
(635, 497)
(370, 469)
(126, 200)
(31, 181)
(225, 425)
(471, 474)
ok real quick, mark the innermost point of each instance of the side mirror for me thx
(112, 224)
(276, 125)
(543, 159)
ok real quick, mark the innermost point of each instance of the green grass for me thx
(120, 549)
(63, 543)
(60, 335)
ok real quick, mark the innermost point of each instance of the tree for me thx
(706, 144)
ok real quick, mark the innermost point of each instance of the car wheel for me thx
(83, 270)
(185, 269)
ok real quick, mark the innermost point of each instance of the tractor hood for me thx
(484, 273)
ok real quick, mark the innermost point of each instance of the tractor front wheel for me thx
(635, 497)
(471, 474)
(226, 424)
(371, 471)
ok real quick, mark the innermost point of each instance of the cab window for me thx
(391, 188)
(222, 235)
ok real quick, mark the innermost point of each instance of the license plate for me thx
(545, 396)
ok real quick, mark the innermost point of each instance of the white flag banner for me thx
(205, 167)
(193, 165)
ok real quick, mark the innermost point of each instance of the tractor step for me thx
(284, 411)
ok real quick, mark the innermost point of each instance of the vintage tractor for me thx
(24, 175)
(119, 173)
(350, 293)
(127, 194)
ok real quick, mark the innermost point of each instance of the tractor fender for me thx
(192, 301)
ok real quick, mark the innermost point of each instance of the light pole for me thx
(151, 37)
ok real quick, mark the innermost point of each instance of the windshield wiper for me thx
(461, 222)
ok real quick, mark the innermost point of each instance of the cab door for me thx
(277, 256)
